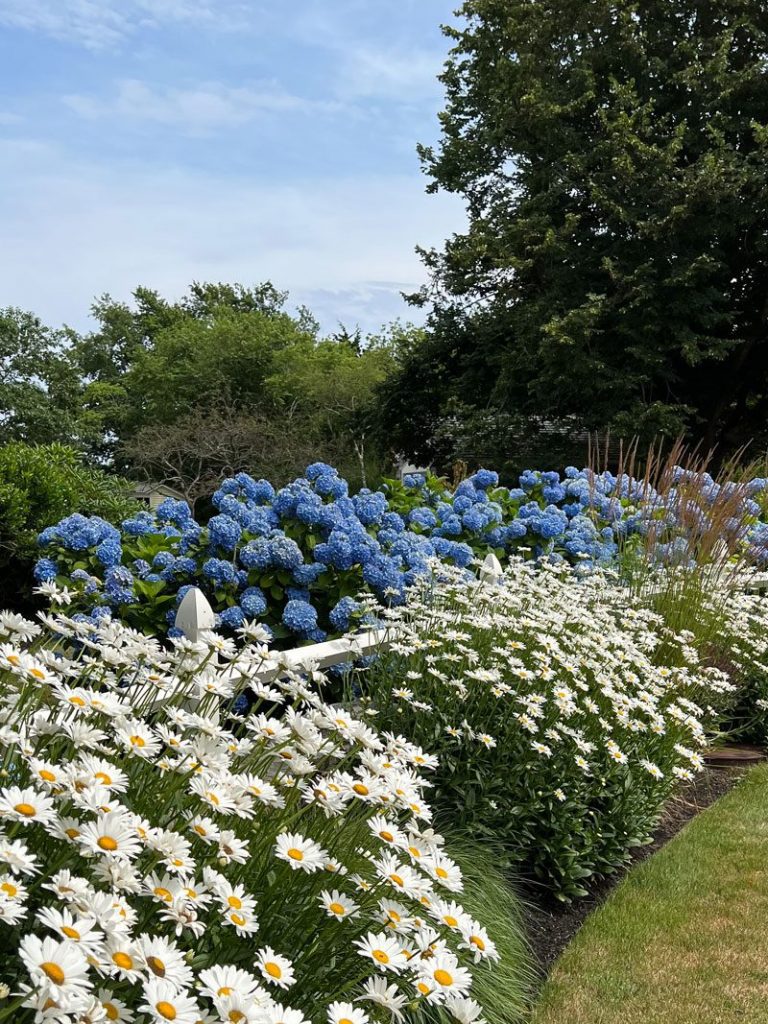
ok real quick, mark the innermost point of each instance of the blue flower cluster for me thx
(293, 558)
(296, 557)
(581, 516)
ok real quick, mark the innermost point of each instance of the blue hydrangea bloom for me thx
(370, 506)
(342, 613)
(233, 617)
(45, 569)
(414, 480)
(219, 571)
(139, 525)
(224, 532)
(118, 585)
(253, 602)
(300, 617)
(257, 554)
(424, 518)
(485, 478)
(176, 512)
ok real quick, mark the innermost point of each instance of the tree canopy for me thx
(612, 156)
(142, 391)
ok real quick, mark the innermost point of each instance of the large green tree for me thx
(614, 161)
(39, 381)
(232, 361)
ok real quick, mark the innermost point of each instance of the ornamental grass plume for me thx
(696, 545)
(163, 858)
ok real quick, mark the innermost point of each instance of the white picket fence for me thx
(195, 616)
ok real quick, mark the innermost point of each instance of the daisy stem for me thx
(15, 1004)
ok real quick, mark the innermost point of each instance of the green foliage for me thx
(226, 347)
(40, 484)
(39, 383)
(503, 990)
(613, 161)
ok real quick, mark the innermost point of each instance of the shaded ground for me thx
(683, 939)
(551, 927)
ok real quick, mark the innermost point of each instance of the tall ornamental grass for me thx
(558, 730)
(164, 859)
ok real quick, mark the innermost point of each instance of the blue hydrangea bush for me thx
(586, 517)
(294, 559)
(297, 558)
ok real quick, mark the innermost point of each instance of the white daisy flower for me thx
(275, 969)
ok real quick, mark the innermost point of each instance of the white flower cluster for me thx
(555, 702)
(555, 656)
(163, 858)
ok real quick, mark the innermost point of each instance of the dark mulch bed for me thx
(551, 927)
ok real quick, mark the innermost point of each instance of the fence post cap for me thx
(491, 570)
(194, 614)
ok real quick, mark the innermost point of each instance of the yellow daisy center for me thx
(337, 908)
(107, 843)
(9, 889)
(122, 960)
(46, 776)
(273, 970)
(235, 902)
(380, 956)
(443, 978)
(111, 1011)
(25, 810)
(156, 965)
(295, 854)
(54, 972)
(71, 933)
(166, 1010)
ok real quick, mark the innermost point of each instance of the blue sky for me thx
(158, 142)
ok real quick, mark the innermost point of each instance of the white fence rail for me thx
(195, 616)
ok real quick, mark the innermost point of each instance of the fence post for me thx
(195, 614)
(491, 570)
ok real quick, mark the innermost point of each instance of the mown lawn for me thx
(684, 938)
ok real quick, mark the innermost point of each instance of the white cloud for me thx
(73, 231)
(197, 110)
(100, 24)
(409, 76)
